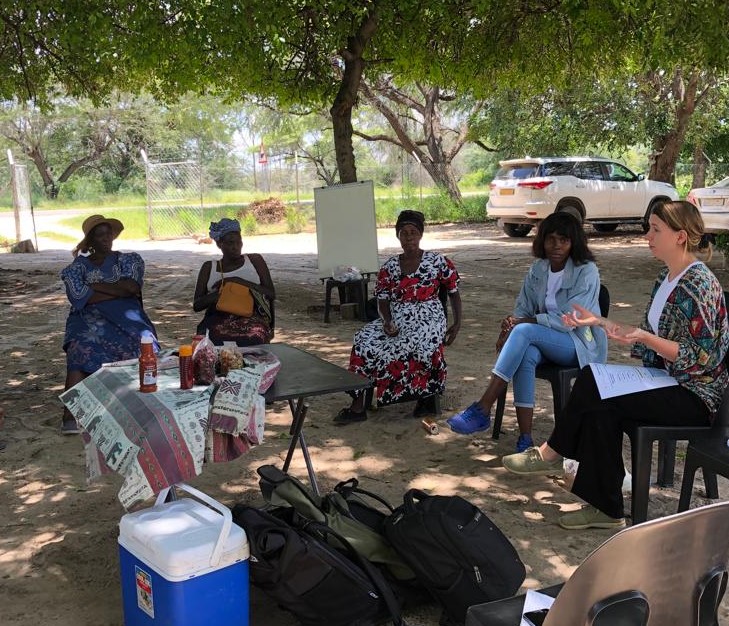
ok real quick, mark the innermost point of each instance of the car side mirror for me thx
(641, 177)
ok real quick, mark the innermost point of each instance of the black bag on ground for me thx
(456, 552)
(293, 562)
(345, 511)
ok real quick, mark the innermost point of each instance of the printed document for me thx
(619, 380)
(533, 602)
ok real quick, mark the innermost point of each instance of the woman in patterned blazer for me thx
(684, 331)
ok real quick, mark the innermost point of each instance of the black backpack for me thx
(293, 562)
(347, 511)
(456, 552)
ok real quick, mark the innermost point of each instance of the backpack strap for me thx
(348, 487)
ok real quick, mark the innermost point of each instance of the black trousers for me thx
(590, 430)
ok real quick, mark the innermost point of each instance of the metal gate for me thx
(174, 199)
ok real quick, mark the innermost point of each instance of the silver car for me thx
(713, 203)
(602, 192)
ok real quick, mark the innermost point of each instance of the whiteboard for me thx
(346, 229)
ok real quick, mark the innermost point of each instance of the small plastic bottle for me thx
(186, 369)
(147, 365)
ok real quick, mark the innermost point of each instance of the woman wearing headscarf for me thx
(402, 351)
(107, 319)
(249, 270)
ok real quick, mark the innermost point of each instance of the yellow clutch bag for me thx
(235, 298)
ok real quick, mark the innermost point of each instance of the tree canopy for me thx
(317, 51)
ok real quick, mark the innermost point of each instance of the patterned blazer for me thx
(695, 316)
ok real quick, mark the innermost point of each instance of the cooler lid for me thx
(178, 538)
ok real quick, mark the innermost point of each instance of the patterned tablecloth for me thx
(158, 439)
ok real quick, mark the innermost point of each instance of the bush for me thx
(268, 211)
(295, 220)
(438, 209)
(248, 224)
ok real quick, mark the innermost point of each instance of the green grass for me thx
(438, 209)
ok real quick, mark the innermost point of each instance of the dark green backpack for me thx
(344, 510)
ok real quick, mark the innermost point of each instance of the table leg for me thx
(309, 465)
(297, 436)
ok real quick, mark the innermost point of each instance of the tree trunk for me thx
(440, 166)
(667, 147)
(699, 167)
(444, 178)
(437, 160)
(346, 97)
(50, 185)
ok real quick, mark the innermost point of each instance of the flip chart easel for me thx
(346, 229)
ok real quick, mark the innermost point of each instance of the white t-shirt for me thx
(554, 282)
(245, 271)
(661, 297)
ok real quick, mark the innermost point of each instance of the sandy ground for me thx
(58, 535)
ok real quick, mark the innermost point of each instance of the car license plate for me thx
(507, 191)
(712, 201)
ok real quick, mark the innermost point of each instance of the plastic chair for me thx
(642, 437)
(671, 570)
(711, 454)
(559, 377)
(349, 291)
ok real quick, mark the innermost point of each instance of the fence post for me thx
(296, 171)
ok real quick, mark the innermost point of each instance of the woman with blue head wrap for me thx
(249, 270)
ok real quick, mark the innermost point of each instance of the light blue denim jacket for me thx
(580, 285)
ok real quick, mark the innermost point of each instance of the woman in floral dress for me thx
(402, 351)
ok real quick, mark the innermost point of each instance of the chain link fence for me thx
(174, 198)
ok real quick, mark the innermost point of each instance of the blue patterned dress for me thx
(106, 331)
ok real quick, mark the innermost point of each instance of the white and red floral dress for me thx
(411, 364)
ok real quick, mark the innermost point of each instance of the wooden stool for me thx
(350, 291)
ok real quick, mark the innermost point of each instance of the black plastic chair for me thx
(350, 291)
(671, 570)
(711, 454)
(559, 377)
(642, 437)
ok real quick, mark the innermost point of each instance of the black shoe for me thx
(348, 416)
(425, 406)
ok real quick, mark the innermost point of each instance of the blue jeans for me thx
(529, 345)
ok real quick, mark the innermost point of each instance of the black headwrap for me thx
(416, 218)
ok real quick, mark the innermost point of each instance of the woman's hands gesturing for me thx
(622, 333)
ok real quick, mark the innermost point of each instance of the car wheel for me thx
(572, 210)
(604, 228)
(517, 230)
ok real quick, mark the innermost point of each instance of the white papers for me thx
(533, 602)
(618, 380)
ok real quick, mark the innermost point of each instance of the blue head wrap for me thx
(220, 229)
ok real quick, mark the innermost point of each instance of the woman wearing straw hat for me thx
(106, 320)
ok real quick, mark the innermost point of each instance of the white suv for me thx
(604, 193)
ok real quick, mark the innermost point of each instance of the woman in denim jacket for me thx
(684, 330)
(563, 274)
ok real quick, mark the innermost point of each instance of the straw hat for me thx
(92, 222)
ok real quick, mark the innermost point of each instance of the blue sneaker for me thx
(524, 442)
(472, 420)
